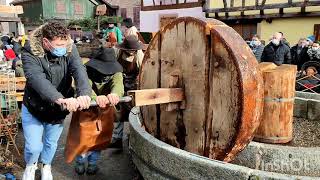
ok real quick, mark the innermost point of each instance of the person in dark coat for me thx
(276, 51)
(49, 65)
(299, 53)
(257, 47)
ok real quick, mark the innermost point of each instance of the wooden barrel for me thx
(279, 92)
(222, 85)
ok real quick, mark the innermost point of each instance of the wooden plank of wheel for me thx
(223, 88)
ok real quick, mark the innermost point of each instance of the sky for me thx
(8, 1)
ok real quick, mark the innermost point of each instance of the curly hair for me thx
(55, 30)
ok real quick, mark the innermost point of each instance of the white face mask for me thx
(315, 48)
(275, 42)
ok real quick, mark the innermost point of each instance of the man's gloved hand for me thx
(84, 102)
(71, 104)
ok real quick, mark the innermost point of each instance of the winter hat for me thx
(311, 38)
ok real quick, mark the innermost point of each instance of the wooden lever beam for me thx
(156, 96)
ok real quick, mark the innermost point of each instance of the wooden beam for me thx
(225, 4)
(10, 19)
(263, 2)
(156, 96)
(231, 3)
(265, 16)
(268, 6)
(11, 9)
(281, 11)
(303, 9)
(257, 2)
(243, 5)
(172, 6)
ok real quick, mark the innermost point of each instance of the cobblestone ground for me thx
(113, 164)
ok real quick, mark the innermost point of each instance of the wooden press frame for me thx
(178, 5)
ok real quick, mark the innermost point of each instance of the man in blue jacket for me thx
(49, 65)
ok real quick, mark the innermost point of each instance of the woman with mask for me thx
(257, 47)
(314, 52)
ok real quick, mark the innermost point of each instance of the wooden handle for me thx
(156, 96)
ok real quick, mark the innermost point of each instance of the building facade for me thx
(157, 13)
(295, 18)
(58, 9)
(128, 9)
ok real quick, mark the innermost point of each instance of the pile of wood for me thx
(20, 85)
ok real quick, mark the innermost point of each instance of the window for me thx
(317, 31)
(136, 16)
(123, 12)
(78, 9)
(246, 31)
(60, 7)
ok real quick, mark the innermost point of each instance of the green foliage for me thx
(89, 24)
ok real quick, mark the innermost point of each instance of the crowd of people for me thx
(10, 52)
(305, 54)
(50, 61)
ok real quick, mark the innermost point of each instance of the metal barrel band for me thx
(269, 99)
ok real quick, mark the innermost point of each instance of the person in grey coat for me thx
(276, 51)
(257, 47)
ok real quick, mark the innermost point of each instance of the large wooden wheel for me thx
(223, 88)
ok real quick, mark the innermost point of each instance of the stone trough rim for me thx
(288, 147)
(137, 131)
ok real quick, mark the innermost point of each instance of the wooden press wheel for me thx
(223, 88)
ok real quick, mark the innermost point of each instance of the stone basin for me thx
(158, 160)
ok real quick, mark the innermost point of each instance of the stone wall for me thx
(307, 106)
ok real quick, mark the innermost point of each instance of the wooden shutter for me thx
(246, 31)
(136, 16)
(78, 9)
(123, 12)
(317, 31)
(60, 7)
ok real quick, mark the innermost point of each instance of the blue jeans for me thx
(92, 156)
(117, 130)
(40, 138)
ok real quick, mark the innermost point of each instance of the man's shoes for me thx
(29, 173)
(92, 169)
(46, 172)
(116, 143)
(80, 168)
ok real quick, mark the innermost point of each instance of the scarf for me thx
(314, 55)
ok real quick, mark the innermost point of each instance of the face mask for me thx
(315, 48)
(59, 51)
(275, 42)
(255, 43)
(251, 43)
